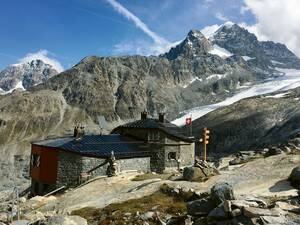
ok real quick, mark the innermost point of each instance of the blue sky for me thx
(72, 29)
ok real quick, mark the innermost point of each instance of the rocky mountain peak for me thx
(236, 40)
(27, 74)
(194, 45)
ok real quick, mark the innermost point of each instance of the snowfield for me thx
(290, 79)
(19, 86)
(222, 52)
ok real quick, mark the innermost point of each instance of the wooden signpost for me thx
(204, 140)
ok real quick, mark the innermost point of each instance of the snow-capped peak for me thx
(228, 24)
(25, 75)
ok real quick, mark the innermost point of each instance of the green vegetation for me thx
(128, 211)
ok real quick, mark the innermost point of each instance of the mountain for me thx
(25, 75)
(252, 123)
(263, 55)
(197, 72)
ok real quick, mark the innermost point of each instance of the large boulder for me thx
(193, 174)
(294, 177)
(200, 207)
(221, 192)
(217, 214)
(199, 172)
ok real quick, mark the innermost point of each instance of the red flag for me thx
(188, 121)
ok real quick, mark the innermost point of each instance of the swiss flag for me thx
(188, 121)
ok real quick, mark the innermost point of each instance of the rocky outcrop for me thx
(201, 171)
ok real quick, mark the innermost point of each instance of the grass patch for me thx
(126, 212)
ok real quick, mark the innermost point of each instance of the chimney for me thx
(144, 115)
(79, 132)
(75, 133)
(161, 117)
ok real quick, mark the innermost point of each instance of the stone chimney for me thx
(144, 115)
(161, 117)
(75, 131)
(79, 132)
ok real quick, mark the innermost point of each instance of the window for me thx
(153, 136)
(172, 156)
(35, 160)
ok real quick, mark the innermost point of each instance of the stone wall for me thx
(70, 167)
(140, 164)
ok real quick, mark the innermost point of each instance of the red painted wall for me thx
(47, 171)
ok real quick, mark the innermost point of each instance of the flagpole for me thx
(191, 126)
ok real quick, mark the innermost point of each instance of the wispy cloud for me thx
(45, 56)
(160, 44)
(221, 17)
(137, 21)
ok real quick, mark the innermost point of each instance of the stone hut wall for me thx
(70, 166)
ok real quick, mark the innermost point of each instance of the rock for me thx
(227, 206)
(259, 202)
(236, 161)
(188, 221)
(287, 207)
(146, 216)
(200, 221)
(200, 207)
(296, 141)
(274, 220)
(286, 149)
(34, 216)
(20, 222)
(294, 177)
(65, 220)
(252, 212)
(22, 199)
(221, 192)
(184, 220)
(193, 174)
(236, 212)
(200, 171)
(274, 151)
(217, 214)
(3, 217)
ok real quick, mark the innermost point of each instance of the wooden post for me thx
(205, 142)
(204, 149)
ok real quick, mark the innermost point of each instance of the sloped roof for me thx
(151, 123)
(99, 146)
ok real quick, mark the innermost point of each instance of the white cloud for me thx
(221, 17)
(277, 20)
(142, 47)
(244, 9)
(44, 56)
(159, 42)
